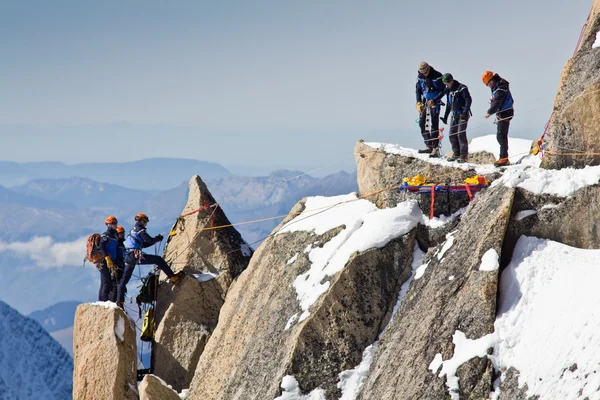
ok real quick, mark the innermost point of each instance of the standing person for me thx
(120, 263)
(501, 105)
(137, 240)
(108, 249)
(429, 91)
(458, 100)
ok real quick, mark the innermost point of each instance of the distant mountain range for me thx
(147, 174)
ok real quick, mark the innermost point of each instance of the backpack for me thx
(147, 292)
(147, 333)
(93, 254)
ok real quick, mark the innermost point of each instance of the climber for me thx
(120, 262)
(108, 249)
(429, 91)
(501, 104)
(137, 240)
(458, 100)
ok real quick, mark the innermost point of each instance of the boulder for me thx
(575, 121)
(104, 347)
(222, 252)
(262, 336)
(379, 169)
(452, 296)
(154, 388)
(185, 315)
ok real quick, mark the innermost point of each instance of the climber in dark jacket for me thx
(502, 105)
(137, 240)
(458, 101)
(429, 91)
(120, 263)
(108, 249)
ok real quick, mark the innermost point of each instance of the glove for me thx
(160, 237)
(444, 120)
(420, 107)
(109, 263)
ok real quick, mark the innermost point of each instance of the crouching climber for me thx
(137, 240)
(107, 267)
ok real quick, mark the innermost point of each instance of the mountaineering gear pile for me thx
(502, 105)
(429, 90)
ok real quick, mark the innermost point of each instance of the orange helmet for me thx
(120, 229)
(111, 219)
(142, 217)
(487, 77)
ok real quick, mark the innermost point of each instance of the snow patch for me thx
(435, 365)
(205, 277)
(421, 271)
(184, 394)
(464, 350)
(442, 220)
(451, 278)
(562, 182)
(524, 214)
(291, 322)
(291, 391)
(490, 261)
(519, 149)
(105, 304)
(120, 328)
(291, 260)
(597, 42)
(246, 249)
(365, 227)
(447, 244)
(548, 318)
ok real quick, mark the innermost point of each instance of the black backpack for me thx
(148, 290)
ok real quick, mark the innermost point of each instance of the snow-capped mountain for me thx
(33, 366)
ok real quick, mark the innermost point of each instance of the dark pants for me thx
(149, 259)
(430, 136)
(502, 136)
(458, 136)
(120, 264)
(122, 286)
(106, 284)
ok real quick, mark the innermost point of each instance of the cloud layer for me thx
(48, 254)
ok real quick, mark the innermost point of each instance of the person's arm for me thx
(419, 91)
(497, 100)
(102, 245)
(468, 100)
(149, 240)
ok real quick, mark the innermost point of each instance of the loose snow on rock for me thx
(120, 328)
(548, 319)
(291, 260)
(447, 244)
(597, 42)
(351, 381)
(205, 277)
(490, 261)
(291, 391)
(366, 227)
(105, 304)
(563, 182)
(464, 350)
(291, 322)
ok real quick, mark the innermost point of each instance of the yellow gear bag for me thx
(148, 327)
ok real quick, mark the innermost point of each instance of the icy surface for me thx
(490, 261)
(291, 391)
(366, 227)
(33, 366)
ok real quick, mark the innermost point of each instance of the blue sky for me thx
(261, 83)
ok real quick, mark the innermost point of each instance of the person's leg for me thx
(424, 132)
(122, 287)
(453, 137)
(502, 137)
(105, 284)
(435, 126)
(463, 143)
(159, 261)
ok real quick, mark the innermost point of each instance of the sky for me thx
(261, 83)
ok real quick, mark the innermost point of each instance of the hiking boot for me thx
(503, 162)
(176, 278)
(462, 159)
(453, 158)
(435, 153)
(426, 150)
